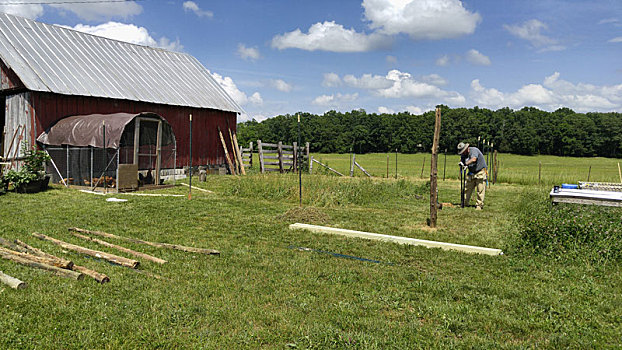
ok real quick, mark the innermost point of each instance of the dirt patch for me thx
(305, 215)
(428, 228)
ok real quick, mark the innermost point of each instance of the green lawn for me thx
(261, 293)
(512, 168)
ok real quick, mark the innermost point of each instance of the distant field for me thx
(513, 169)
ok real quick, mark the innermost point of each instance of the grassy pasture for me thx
(261, 293)
(513, 169)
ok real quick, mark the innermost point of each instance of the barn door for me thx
(147, 146)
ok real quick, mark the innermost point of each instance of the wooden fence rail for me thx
(280, 157)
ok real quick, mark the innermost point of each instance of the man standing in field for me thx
(473, 159)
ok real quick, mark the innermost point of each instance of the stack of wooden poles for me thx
(24, 254)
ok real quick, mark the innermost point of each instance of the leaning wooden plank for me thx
(153, 244)
(39, 259)
(56, 270)
(397, 239)
(11, 281)
(198, 188)
(60, 262)
(115, 259)
(99, 277)
(123, 249)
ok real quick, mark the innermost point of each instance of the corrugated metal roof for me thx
(64, 61)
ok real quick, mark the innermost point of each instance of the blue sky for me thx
(284, 56)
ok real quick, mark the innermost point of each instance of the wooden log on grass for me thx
(11, 281)
(153, 244)
(115, 259)
(123, 249)
(60, 262)
(99, 277)
(55, 270)
(66, 264)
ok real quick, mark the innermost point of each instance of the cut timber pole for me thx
(239, 154)
(99, 277)
(115, 259)
(123, 249)
(233, 148)
(59, 262)
(433, 169)
(153, 244)
(362, 169)
(619, 172)
(55, 270)
(11, 281)
(40, 259)
(397, 239)
(224, 146)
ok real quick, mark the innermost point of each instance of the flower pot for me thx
(34, 186)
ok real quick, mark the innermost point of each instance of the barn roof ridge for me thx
(57, 59)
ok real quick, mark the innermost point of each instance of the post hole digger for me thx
(463, 174)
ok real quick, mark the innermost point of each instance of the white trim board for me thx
(397, 239)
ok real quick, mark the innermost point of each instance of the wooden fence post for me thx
(433, 169)
(262, 169)
(496, 169)
(250, 151)
(352, 164)
(280, 152)
(308, 154)
(311, 165)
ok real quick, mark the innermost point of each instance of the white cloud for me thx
(616, 40)
(231, 88)
(334, 100)
(32, 11)
(281, 85)
(331, 80)
(477, 58)
(94, 10)
(192, 6)
(329, 36)
(368, 81)
(248, 53)
(405, 86)
(552, 94)
(608, 21)
(256, 99)
(442, 61)
(434, 79)
(385, 110)
(531, 31)
(414, 110)
(439, 19)
(129, 33)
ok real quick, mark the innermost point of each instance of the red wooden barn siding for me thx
(8, 78)
(206, 144)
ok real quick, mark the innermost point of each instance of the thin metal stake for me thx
(298, 161)
(190, 169)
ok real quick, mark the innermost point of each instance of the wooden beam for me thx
(11, 281)
(115, 259)
(238, 154)
(55, 270)
(99, 277)
(123, 249)
(153, 244)
(62, 263)
(397, 239)
(224, 146)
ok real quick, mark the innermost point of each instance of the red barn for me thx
(50, 72)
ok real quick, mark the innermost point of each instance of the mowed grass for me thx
(514, 169)
(262, 293)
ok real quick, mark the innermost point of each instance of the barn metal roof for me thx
(55, 59)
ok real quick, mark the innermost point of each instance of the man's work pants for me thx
(476, 181)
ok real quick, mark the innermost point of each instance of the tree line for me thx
(527, 131)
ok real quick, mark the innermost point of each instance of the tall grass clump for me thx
(569, 231)
(325, 191)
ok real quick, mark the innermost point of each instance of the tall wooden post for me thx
(260, 151)
(433, 169)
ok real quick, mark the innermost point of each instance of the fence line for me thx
(278, 157)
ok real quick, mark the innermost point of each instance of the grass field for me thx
(515, 169)
(262, 293)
